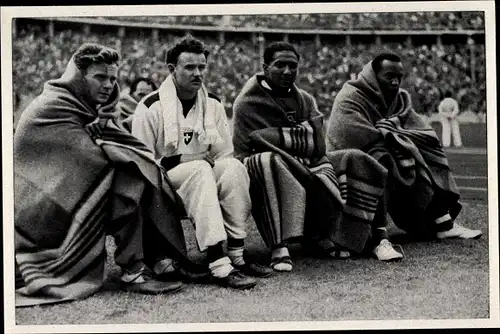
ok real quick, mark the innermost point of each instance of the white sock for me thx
(277, 253)
(443, 219)
(221, 267)
(236, 255)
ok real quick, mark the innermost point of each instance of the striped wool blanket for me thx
(305, 180)
(296, 187)
(70, 189)
(396, 137)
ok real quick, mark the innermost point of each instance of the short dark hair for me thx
(276, 47)
(136, 82)
(377, 61)
(187, 44)
(93, 53)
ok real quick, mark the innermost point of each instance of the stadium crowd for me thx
(340, 21)
(431, 69)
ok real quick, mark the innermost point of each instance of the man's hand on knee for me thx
(197, 156)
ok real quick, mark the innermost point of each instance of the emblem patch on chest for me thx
(187, 134)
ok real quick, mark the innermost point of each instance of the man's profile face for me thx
(390, 76)
(189, 71)
(101, 79)
(142, 89)
(283, 69)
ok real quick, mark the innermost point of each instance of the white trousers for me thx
(451, 127)
(217, 199)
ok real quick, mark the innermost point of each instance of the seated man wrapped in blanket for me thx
(79, 177)
(298, 192)
(374, 114)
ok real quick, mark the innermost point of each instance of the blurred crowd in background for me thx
(432, 69)
(340, 21)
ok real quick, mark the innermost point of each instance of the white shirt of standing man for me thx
(448, 110)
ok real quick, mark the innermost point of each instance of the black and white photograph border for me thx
(330, 302)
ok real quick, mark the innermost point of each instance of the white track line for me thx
(473, 188)
(470, 177)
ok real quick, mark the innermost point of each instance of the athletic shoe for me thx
(181, 274)
(385, 252)
(236, 280)
(459, 232)
(143, 281)
(255, 270)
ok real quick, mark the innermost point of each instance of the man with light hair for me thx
(79, 176)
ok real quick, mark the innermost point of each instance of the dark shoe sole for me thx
(266, 275)
(390, 260)
(255, 273)
(185, 278)
(135, 289)
(459, 238)
(224, 284)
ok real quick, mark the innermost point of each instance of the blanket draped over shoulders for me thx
(125, 111)
(396, 136)
(294, 186)
(71, 189)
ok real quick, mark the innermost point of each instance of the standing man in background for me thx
(448, 110)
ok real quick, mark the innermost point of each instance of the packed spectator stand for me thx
(41, 50)
(342, 21)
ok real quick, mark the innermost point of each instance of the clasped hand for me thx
(198, 156)
(94, 129)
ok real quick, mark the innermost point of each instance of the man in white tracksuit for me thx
(448, 110)
(187, 128)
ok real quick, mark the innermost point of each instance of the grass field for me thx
(437, 280)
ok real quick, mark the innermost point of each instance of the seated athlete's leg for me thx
(382, 247)
(196, 185)
(365, 181)
(129, 255)
(278, 205)
(406, 204)
(444, 226)
(233, 185)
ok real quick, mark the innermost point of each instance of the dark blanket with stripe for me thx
(399, 139)
(294, 187)
(314, 177)
(70, 189)
(126, 108)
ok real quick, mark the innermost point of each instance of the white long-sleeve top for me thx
(148, 126)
